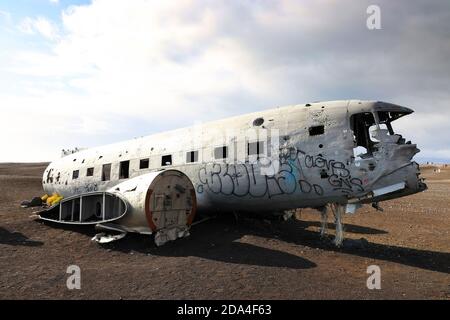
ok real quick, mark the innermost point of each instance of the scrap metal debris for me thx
(106, 238)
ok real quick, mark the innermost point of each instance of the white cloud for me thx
(5, 14)
(41, 26)
(170, 63)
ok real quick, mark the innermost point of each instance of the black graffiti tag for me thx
(339, 176)
(243, 180)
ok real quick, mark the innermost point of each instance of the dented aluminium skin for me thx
(342, 152)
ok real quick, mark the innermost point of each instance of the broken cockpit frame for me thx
(382, 160)
(382, 157)
(371, 128)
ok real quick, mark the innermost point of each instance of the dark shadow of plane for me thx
(211, 243)
(295, 232)
(217, 239)
(352, 228)
(238, 253)
(17, 239)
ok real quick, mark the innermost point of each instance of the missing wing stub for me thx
(162, 203)
(89, 208)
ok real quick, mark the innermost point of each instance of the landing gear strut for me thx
(338, 212)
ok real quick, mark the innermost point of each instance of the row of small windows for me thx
(124, 171)
(253, 148)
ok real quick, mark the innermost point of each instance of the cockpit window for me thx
(360, 124)
(366, 133)
(386, 118)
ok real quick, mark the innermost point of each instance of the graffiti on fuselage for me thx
(49, 178)
(89, 187)
(336, 172)
(246, 179)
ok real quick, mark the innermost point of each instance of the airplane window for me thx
(144, 164)
(75, 174)
(221, 152)
(255, 148)
(191, 156)
(90, 172)
(106, 172)
(166, 160)
(317, 130)
(124, 170)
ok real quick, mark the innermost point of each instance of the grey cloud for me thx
(332, 55)
(322, 50)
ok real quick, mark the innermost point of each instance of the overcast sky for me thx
(87, 73)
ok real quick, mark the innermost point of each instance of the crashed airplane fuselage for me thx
(344, 153)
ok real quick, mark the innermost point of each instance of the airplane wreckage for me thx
(334, 155)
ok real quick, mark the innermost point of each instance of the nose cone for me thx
(408, 177)
(414, 183)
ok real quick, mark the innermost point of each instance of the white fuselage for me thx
(284, 158)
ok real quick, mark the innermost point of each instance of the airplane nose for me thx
(412, 182)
